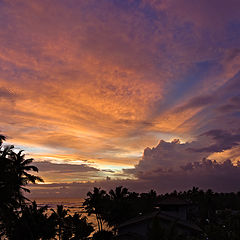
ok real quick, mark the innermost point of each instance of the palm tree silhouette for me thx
(100, 235)
(60, 216)
(20, 176)
(13, 180)
(119, 193)
(33, 224)
(81, 229)
(94, 204)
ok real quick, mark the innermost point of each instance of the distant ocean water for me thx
(73, 204)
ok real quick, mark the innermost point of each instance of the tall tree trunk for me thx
(98, 222)
(59, 232)
(101, 223)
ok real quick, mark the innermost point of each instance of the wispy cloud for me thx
(104, 79)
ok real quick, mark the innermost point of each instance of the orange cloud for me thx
(100, 81)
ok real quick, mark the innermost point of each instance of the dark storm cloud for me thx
(64, 168)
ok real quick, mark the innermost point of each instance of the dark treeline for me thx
(217, 214)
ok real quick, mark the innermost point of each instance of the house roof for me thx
(173, 201)
(162, 216)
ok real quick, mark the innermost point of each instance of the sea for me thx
(72, 204)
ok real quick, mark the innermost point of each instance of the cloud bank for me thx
(168, 166)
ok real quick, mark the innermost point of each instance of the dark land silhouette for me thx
(194, 214)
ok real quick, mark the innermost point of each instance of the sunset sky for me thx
(99, 91)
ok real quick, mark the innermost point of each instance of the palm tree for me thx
(20, 176)
(120, 206)
(119, 193)
(81, 229)
(60, 216)
(94, 204)
(33, 224)
(13, 180)
(100, 235)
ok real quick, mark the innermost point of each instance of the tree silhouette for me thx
(119, 194)
(103, 235)
(14, 178)
(33, 223)
(94, 204)
(60, 216)
(68, 227)
(81, 229)
(20, 176)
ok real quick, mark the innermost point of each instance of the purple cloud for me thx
(205, 174)
(196, 102)
(224, 140)
(64, 168)
(170, 155)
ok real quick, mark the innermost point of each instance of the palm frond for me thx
(27, 161)
(32, 178)
(29, 168)
(25, 189)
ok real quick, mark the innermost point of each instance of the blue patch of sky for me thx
(5, 18)
(33, 149)
(112, 167)
(150, 15)
(230, 88)
(187, 85)
(183, 33)
(237, 114)
(233, 35)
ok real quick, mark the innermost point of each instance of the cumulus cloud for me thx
(175, 165)
(168, 155)
(205, 174)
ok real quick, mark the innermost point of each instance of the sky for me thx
(139, 93)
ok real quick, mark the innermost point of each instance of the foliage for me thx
(22, 219)
(33, 223)
(73, 227)
(14, 178)
(81, 229)
(96, 204)
(100, 235)
(118, 206)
